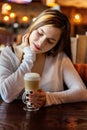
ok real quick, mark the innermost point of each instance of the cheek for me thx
(30, 38)
(33, 36)
(48, 47)
(51, 46)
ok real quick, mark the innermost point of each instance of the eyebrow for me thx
(48, 37)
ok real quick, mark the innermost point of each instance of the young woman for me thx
(45, 49)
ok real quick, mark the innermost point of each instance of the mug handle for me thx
(24, 98)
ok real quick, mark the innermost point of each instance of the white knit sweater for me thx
(56, 70)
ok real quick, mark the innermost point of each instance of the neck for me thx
(39, 63)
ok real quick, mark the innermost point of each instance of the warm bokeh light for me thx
(25, 19)
(6, 18)
(77, 18)
(51, 3)
(12, 15)
(6, 8)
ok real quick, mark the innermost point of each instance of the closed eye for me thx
(50, 41)
(39, 33)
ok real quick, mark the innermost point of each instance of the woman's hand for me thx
(25, 41)
(37, 98)
(19, 48)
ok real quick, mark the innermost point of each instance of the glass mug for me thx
(31, 83)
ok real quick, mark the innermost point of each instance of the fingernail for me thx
(27, 95)
(27, 99)
(31, 104)
(31, 92)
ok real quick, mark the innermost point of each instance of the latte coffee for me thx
(31, 81)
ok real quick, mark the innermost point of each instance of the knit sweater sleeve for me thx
(76, 89)
(11, 80)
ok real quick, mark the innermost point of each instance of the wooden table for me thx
(60, 117)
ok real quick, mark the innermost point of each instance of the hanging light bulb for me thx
(6, 18)
(25, 19)
(77, 18)
(12, 15)
(6, 8)
(51, 3)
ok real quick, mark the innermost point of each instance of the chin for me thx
(34, 50)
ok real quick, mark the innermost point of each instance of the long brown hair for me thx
(59, 20)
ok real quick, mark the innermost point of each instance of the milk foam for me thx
(32, 76)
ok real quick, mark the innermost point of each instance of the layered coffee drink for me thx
(31, 81)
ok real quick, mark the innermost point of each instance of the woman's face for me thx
(44, 38)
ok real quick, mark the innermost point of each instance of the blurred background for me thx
(16, 15)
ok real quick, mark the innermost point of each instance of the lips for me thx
(36, 47)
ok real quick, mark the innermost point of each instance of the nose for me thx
(42, 41)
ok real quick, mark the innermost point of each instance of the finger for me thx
(37, 97)
(25, 39)
(39, 93)
(39, 104)
(38, 101)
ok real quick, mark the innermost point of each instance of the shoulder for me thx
(62, 56)
(7, 56)
(66, 62)
(6, 51)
